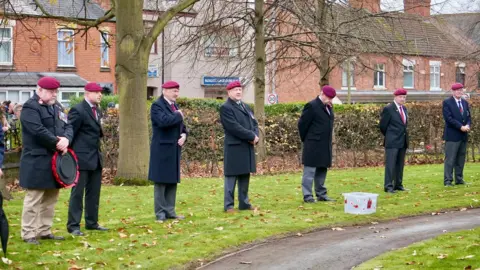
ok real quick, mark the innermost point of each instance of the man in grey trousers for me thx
(241, 134)
(456, 114)
(393, 125)
(316, 127)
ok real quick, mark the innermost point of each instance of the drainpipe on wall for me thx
(163, 57)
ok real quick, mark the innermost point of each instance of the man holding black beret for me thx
(45, 130)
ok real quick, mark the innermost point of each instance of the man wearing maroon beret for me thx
(316, 128)
(456, 113)
(393, 125)
(45, 130)
(241, 134)
(169, 136)
(85, 119)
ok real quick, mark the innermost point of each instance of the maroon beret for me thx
(93, 87)
(457, 86)
(49, 83)
(400, 92)
(233, 85)
(329, 91)
(170, 85)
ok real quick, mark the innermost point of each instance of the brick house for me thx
(429, 56)
(33, 46)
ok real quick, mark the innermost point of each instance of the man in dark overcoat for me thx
(316, 128)
(85, 118)
(456, 113)
(45, 129)
(241, 134)
(169, 135)
(393, 125)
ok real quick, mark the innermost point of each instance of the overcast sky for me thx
(439, 6)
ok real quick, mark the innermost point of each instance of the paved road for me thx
(328, 249)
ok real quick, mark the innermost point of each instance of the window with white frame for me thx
(222, 45)
(408, 73)
(65, 96)
(348, 65)
(104, 57)
(379, 76)
(460, 73)
(66, 48)
(435, 75)
(6, 46)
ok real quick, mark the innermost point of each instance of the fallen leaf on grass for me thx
(219, 228)
(338, 229)
(442, 256)
(75, 267)
(122, 235)
(468, 267)
(411, 263)
(466, 257)
(6, 261)
(308, 220)
(414, 253)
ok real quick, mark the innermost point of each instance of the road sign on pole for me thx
(272, 98)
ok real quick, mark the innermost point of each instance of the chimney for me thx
(417, 7)
(371, 5)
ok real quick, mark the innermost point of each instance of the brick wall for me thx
(35, 50)
(302, 83)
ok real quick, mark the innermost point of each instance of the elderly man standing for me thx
(316, 128)
(241, 134)
(456, 114)
(393, 125)
(169, 135)
(85, 118)
(45, 129)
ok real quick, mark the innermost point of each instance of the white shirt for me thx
(91, 106)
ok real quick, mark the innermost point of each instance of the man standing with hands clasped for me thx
(85, 119)
(393, 125)
(241, 134)
(316, 128)
(45, 129)
(456, 114)
(169, 135)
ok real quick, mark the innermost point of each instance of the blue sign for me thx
(206, 80)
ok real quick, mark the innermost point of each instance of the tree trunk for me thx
(260, 78)
(131, 77)
(324, 67)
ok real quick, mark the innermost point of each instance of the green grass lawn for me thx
(460, 250)
(136, 241)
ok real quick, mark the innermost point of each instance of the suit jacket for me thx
(165, 153)
(40, 128)
(87, 134)
(454, 120)
(393, 128)
(316, 128)
(240, 127)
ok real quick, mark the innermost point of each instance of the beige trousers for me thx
(38, 211)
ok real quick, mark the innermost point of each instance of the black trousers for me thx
(394, 163)
(89, 183)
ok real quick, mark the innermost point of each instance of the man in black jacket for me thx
(241, 134)
(45, 129)
(393, 125)
(316, 127)
(85, 119)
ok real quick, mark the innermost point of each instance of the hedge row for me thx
(356, 131)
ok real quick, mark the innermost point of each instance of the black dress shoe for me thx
(77, 233)
(402, 189)
(98, 228)
(448, 185)
(325, 199)
(390, 191)
(460, 183)
(179, 217)
(32, 241)
(51, 237)
(310, 200)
